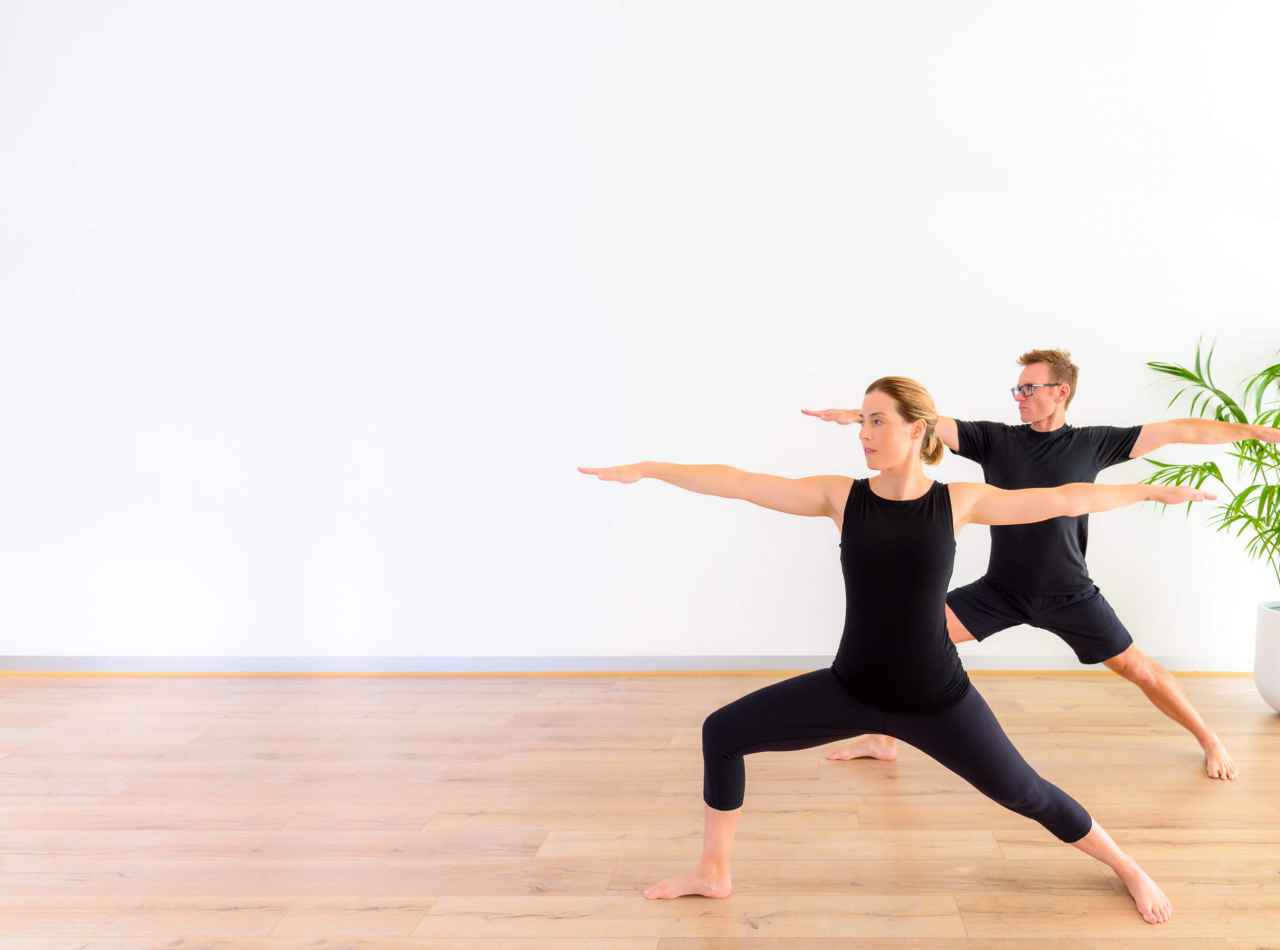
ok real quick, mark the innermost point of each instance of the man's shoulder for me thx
(991, 426)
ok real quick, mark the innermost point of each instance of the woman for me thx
(896, 672)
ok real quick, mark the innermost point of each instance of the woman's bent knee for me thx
(717, 730)
(1043, 802)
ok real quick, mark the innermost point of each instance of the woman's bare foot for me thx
(706, 882)
(1217, 762)
(869, 746)
(1151, 902)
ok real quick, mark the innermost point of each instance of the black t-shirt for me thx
(1046, 557)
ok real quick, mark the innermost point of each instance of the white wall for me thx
(309, 310)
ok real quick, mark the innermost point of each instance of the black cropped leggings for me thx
(815, 708)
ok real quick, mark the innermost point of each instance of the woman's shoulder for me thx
(963, 489)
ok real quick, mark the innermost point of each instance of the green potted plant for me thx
(1252, 512)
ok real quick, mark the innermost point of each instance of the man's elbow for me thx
(1194, 432)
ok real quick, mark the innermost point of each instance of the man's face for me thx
(1043, 401)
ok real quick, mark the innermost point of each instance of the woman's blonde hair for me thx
(913, 402)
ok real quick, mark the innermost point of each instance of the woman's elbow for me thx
(1074, 499)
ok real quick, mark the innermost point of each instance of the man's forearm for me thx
(1212, 432)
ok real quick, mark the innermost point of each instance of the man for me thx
(1037, 573)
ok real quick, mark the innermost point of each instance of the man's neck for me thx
(1055, 421)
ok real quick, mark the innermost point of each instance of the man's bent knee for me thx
(1133, 665)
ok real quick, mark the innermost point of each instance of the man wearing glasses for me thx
(1037, 573)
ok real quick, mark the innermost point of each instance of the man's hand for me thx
(1266, 433)
(842, 416)
(616, 473)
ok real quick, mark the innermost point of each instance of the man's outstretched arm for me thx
(1155, 435)
(946, 427)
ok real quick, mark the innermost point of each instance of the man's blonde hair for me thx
(1060, 366)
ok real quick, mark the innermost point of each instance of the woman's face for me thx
(888, 440)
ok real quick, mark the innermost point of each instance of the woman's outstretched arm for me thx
(815, 495)
(986, 504)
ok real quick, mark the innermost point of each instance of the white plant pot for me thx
(1266, 659)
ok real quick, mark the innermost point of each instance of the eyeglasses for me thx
(1027, 389)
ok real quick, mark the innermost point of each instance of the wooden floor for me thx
(528, 812)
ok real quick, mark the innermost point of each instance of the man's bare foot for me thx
(1217, 763)
(703, 882)
(868, 746)
(1151, 902)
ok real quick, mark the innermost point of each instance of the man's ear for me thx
(1065, 390)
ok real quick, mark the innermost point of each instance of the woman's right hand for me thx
(616, 473)
(1177, 494)
(842, 416)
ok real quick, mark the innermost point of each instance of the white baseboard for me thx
(491, 664)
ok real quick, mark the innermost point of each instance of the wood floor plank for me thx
(884, 845)
(1214, 917)
(742, 917)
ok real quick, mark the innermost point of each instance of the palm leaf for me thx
(1172, 369)
(1255, 510)
(1257, 385)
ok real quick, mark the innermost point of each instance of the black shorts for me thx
(1085, 621)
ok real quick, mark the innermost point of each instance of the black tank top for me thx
(897, 558)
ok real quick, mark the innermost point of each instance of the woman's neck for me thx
(902, 482)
